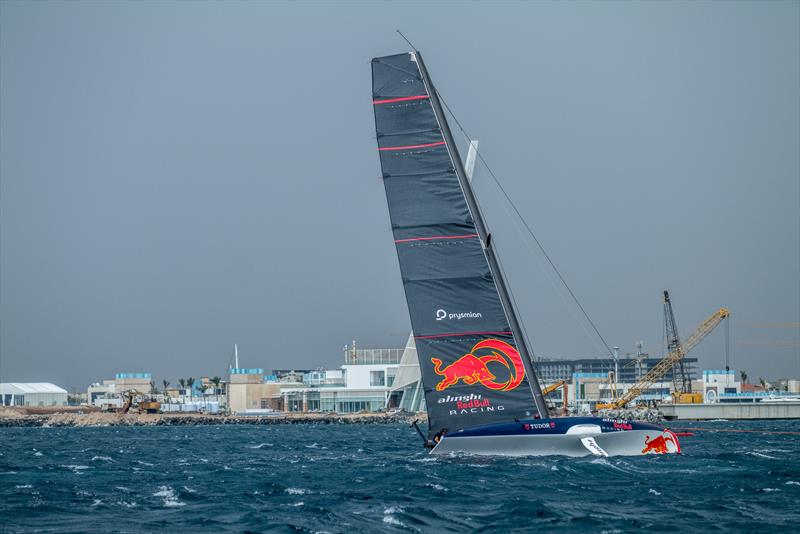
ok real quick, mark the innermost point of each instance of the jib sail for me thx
(475, 367)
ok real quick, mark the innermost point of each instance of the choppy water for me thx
(376, 478)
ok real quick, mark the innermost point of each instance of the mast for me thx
(480, 226)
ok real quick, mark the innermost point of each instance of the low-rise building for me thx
(108, 393)
(32, 394)
(106, 389)
(141, 382)
(250, 391)
(363, 383)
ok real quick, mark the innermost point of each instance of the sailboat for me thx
(481, 389)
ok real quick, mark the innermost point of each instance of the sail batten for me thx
(465, 339)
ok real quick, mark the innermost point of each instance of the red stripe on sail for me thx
(407, 147)
(434, 238)
(401, 99)
(465, 334)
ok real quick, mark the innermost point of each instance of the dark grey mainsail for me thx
(474, 364)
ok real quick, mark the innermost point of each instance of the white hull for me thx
(627, 443)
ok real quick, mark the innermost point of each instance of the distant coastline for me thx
(78, 418)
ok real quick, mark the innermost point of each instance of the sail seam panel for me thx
(454, 334)
(409, 147)
(436, 237)
(400, 99)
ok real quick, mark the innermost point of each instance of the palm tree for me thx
(153, 389)
(182, 383)
(743, 375)
(763, 383)
(166, 385)
(216, 380)
(190, 384)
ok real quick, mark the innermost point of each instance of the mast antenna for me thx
(414, 48)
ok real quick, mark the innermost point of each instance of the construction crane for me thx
(668, 362)
(565, 393)
(681, 382)
(552, 387)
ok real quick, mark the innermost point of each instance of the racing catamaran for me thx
(481, 389)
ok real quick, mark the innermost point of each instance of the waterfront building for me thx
(105, 390)
(32, 394)
(109, 392)
(588, 389)
(250, 391)
(363, 383)
(141, 382)
(631, 369)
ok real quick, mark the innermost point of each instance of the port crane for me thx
(673, 357)
(681, 381)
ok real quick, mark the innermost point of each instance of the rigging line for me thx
(557, 288)
(553, 283)
(414, 48)
(527, 227)
(534, 359)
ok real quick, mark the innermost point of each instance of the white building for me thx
(32, 394)
(719, 383)
(108, 393)
(363, 383)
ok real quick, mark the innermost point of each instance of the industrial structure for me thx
(682, 387)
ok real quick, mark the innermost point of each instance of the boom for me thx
(674, 357)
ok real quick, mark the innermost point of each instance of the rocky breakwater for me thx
(102, 419)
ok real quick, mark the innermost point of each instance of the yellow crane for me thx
(565, 394)
(552, 387)
(674, 357)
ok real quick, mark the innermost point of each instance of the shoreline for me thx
(105, 419)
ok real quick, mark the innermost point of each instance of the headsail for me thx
(475, 370)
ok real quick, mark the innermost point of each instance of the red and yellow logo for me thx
(473, 368)
(660, 445)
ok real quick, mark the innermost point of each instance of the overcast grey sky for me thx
(177, 177)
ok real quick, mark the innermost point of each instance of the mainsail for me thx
(474, 364)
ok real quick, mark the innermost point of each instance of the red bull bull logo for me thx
(660, 445)
(474, 368)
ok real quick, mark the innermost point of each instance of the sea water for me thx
(374, 478)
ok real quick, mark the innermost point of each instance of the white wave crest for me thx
(77, 469)
(170, 498)
(761, 455)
